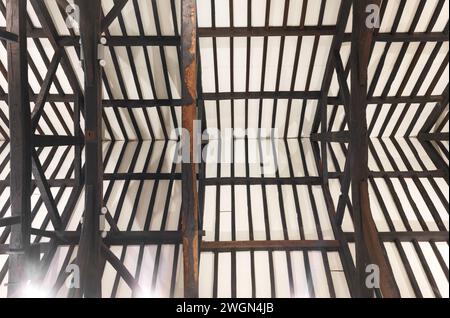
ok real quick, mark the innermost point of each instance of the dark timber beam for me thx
(10, 220)
(435, 114)
(266, 31)
(189, 178)
(345, 92)
(278, 245)
(263, 94)
(20, 143)
(344, 12)
(8, 36)
(325, 30)
(115, 238)
(442, 136)
(332, 136)
(322, 111)
(345, 187)
(67, 98)
(77, 160)
(368, 246)
(359, 145)
(311, 180)
(141, 176)
(90, 241)
(41, 98)
(51, 33)
(51, 141)
(143, 103)
(121, 269)
(112, 14)
(46, 194)
(313, 95)
(127, 40)
(344, 250)
(412, 37)
(264, 180)
(340, 72)
(407, 236)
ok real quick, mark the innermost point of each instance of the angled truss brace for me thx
(52, 35)
(112, 14)
(356, 172)
(8, 36)
(45, 88)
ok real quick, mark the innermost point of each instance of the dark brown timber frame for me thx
(189, 208)
(368, 246)
(93, 251)
(20, 164)
(369, 249)
(90, 241)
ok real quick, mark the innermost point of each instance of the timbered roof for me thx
(248, 52)
(262, 64)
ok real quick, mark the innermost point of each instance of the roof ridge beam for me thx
(368, 246)
(190, 221)
(88, 257)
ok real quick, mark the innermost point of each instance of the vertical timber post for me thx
(78, 134)
(89, 250)
(189, 176)
(368, 245)
(20, 146)
(359, 144)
